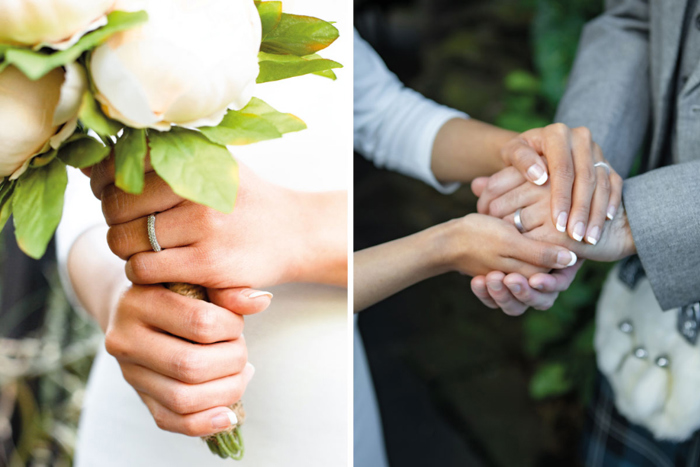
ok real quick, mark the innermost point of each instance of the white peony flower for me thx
(54, 23)
(186, 66)
(36, 116)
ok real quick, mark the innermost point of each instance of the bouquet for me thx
(170, 79)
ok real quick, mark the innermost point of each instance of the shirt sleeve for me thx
(395, 127)
(81, 212)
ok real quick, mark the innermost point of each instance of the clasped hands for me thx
(577, 206)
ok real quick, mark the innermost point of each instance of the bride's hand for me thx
(186, 358)
(583, 195)
(274, 235)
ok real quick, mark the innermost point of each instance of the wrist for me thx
(442, 247)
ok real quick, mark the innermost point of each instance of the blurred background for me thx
(457, 383)
(46, 350)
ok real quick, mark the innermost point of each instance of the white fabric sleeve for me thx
(395, 127)
(81, 212)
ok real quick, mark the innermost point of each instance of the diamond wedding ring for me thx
(152, 233)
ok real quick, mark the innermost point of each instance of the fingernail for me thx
(593, 235)
(611, 212)
(495, 285)
(261, 293)
(515, 288)
(561, 221)
(537, 174)
(566, 258)
(579, 230)
(251, 368)
(224, 420)
(538, 286)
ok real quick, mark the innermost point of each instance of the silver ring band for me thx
(603, 165)
(152, 233)
(518, 221)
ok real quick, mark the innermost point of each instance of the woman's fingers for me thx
(615, 195)
(498, 184)
(119, 207)
(556, 281)
(521, 290)
(177, 358)
(478, 285)
(242, 301)
(554, 142)
(103, 174)
(529, 216)
(185, 317)
(185, 398)
(171, 227)
(502, 296)
(521, 155)
(540, 254)
(204, 423)
(519, 197)
(584, 183)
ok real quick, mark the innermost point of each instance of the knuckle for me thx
(188, 367)
(181, 399)
(558, 129)
(118, 240)
(564, 173)
(203, 324)
(114, 204)
(583, 132)
(189, 427)
(114, 344)
(521, 154)
(139, 269)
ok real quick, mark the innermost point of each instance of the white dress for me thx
(394, 127)
(298, 401)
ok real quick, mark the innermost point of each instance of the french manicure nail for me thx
(260, 294)
(593, 235)
(566, 258)
(537, 174)
(224, 420)
(579, 230)
(495, 285)
(561, 221)
(611, 212)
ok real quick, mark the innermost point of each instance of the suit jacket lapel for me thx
(671, 14)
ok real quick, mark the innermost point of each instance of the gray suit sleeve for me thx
(609, 88)
(664, 215)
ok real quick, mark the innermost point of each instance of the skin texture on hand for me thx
(501, 196)
(274, 235)
(582, 195)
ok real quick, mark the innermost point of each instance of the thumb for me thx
(523, 157)
(542, 254)
(244, 301)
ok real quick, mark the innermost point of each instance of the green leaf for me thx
(276, 67)
(270, 15)
(83, 151)
(299, 35)
(195, 168)
(256, 122)
(36, 64)
(130, 160)
(550, 380)
(43, 159)
(37, 205)
(91, 117)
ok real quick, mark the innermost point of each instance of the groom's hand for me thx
(186, 358)
(585, 189)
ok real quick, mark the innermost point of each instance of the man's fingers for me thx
(499, 184)
(526, 160)
(502, 296)
(242, 301)
(204, 423)
(479, 288)
(479, 185)
(185, 398)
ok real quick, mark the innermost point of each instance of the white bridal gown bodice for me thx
(297, 402)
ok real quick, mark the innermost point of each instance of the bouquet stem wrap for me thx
(229, 443)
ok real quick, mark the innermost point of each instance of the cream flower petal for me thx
(63, 45)
(72, 91)
(65, 133)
